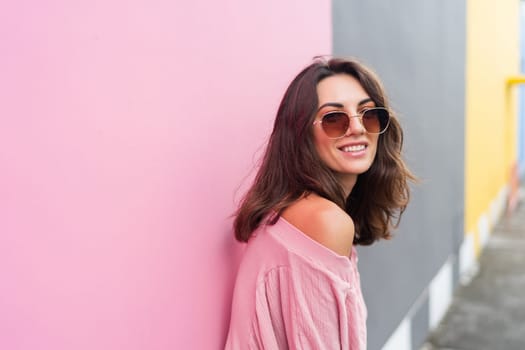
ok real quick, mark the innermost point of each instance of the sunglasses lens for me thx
(376, 120)
(335, 124)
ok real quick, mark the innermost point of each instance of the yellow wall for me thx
(492, 56)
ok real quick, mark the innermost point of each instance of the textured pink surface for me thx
(127, 128)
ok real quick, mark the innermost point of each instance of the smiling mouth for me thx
(355, 148)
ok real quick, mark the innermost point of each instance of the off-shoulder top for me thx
(291, 292)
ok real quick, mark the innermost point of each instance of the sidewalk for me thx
(489, 312)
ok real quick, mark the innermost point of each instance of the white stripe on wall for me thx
(401, 339)
(497, 206)
(468, 265)
(484, 230)
(440, 294)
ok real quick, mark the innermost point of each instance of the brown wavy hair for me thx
(291, 167)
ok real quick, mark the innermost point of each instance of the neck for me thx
(347, 182)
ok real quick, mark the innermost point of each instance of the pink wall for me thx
(127, 128)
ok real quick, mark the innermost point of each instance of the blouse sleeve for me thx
(306, 308)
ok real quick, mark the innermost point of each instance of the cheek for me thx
(319, 142)
(323, 148)
(374, 142)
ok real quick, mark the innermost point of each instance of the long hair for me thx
(291, 167)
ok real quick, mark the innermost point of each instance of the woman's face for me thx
(353, 153)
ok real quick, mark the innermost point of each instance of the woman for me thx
(332, 177)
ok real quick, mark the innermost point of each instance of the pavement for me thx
(489, 312)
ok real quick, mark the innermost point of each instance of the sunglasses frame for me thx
(359, 116)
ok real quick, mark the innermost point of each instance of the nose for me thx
(355, 127)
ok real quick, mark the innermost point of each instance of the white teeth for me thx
(355, 148)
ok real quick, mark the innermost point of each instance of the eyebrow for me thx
(340, 105)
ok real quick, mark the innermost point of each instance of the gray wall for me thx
(418, 50)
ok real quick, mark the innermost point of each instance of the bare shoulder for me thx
(323, 221)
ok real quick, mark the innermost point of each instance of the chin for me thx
(358, 170)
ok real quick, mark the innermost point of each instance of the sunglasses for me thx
(336, 123)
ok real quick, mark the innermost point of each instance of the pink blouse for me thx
(293, 293)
